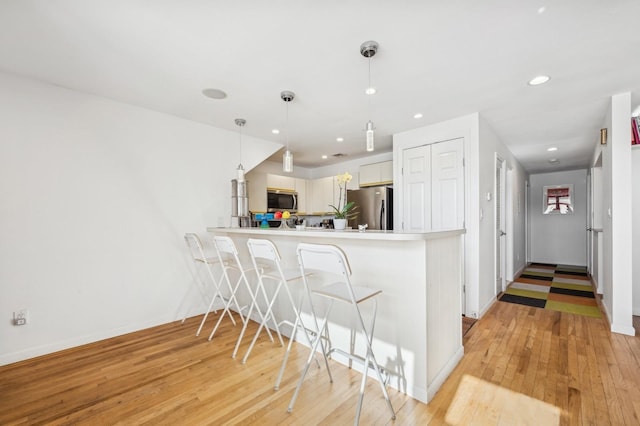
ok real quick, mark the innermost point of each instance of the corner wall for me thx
(635, 154)
(96, 197)
(490, 145)
(617, 286)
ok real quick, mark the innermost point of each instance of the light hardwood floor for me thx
(166, 375)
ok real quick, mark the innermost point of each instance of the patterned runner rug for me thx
(561, 288)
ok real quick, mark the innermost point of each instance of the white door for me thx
(447, 185)
(416, 185)
(500, 249)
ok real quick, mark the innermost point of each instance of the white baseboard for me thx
(442, 376)
(520, 271)
(624, 329)
(486, 307)
(32, 352)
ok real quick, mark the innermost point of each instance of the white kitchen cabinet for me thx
(281, 182)
(386, 172)
(301, 189)
(376, 174)
(321, 195)
(257, 191)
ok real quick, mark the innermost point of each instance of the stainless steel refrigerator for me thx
(375, 207)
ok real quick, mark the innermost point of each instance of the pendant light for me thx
(368, 49)
(240, 122)
(287, 158)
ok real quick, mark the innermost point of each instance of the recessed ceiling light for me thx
(370, 91)
(324, 157)
(553, 148)
(340, 139)
(214, 93)
(275, 131)
(541, 79)
(418, 115)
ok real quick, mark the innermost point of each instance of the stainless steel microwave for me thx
(282, 200)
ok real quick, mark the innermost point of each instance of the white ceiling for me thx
(442, 59)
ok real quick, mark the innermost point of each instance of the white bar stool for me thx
(200, 260)
(228, 256)
(332, 260)
(262, 250)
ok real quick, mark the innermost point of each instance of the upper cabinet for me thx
(259, 182)
(301, 189)
(376, 174)
(321, 195)
(281, 182)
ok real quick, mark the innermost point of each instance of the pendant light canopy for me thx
(287, 158)
(368, 49)
(240, 122)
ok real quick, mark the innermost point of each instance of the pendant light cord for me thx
(286, 130)
(240, 146)
(369, 88)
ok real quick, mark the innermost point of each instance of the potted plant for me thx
(345, 210)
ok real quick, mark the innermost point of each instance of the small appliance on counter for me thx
(240, 217)
(276, 220)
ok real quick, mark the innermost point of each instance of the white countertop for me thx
(353, 234)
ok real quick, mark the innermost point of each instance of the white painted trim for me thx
(486, 307)
(34, 351)
(520, 271)
(442, 376)
(623, 329)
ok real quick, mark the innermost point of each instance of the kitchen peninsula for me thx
(418, 333)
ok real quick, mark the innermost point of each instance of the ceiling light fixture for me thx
(418, 115)
(324, 157)
(275, 131)
(541, 79)
(287, 158)
(553, 148)
(340, 139)
(368, 49)
(240, 122)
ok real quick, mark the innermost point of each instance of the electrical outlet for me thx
(21, 317)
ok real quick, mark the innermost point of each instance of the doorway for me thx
(500, 224)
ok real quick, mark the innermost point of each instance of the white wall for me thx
(617, 275)
(490, 144)
(96, 197)
(480, 145)
(635, 180)
(559, 238)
